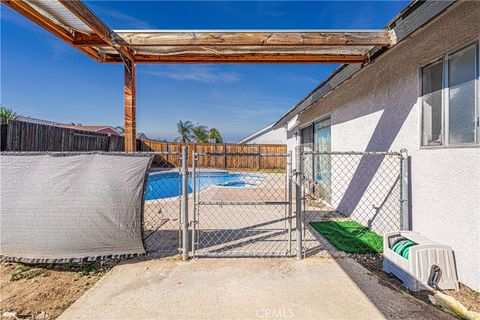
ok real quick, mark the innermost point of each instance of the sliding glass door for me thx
(322, 163)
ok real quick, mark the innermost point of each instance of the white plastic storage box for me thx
(410, 256)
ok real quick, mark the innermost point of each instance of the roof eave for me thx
(404, 25)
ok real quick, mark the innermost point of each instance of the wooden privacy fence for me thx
(231, 156)
(28, 136)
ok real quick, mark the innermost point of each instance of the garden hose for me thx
(445, 301)
(402, 247)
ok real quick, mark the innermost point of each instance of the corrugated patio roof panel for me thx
(55, 11)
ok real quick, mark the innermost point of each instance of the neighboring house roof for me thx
(412, 18)
(257, 134)
(98, 129)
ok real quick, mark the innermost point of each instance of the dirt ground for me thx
(466, 296)
(30, 290)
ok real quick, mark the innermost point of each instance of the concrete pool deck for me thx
(313, 288)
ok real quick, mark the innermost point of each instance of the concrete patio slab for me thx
(314, 288)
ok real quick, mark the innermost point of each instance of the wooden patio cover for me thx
(73, 22)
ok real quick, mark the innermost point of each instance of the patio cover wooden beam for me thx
(244, 58)
(246, 38)
(244, 54)
(243, 46)
(130, 96)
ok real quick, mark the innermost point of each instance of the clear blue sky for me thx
(43, 77)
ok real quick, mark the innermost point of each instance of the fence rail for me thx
(353, 153)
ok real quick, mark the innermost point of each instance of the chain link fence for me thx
(244, 209)
(161, 217)
(225, 204)
(349, 200)
(229, 204)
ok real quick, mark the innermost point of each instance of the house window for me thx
(450, 106)
(307, 138)
(432, 85)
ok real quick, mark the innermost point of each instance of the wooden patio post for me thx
(130, 93)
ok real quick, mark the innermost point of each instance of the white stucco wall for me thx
(378, 110)
(277, 136)
(292, 142)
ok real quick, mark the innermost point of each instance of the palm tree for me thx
(184, 129)
(200, 134)
(7, 114)
(215, 136)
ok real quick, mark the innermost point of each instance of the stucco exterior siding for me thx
(367, 190)
(379, 110)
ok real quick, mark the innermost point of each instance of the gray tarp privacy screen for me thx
(71, 207)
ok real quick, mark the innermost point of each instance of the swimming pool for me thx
(162, 185)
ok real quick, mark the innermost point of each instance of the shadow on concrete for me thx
(165, 243)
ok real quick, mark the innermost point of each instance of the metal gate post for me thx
(298, 201)
(184, 204)
(194, 192)
(289, 188)
(404, 190)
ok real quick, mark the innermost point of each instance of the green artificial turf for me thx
(350, 236)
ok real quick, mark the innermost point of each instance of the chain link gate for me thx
(348, 200)
(241, 204)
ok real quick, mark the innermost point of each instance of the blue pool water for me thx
(167, 184)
